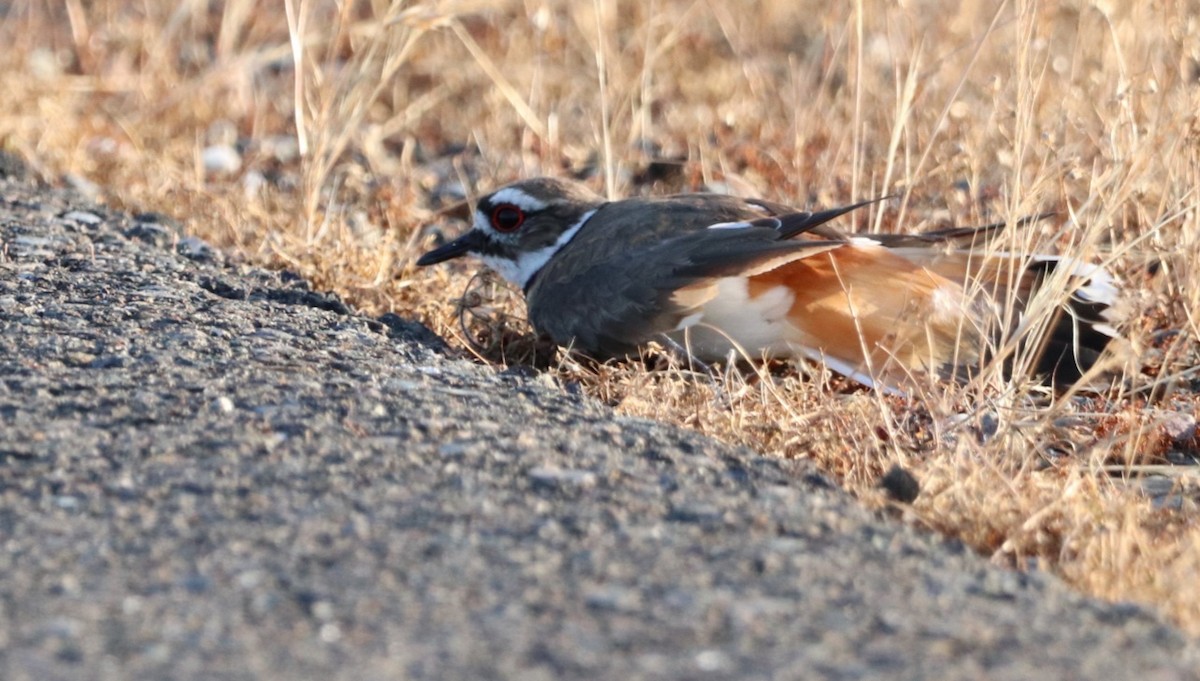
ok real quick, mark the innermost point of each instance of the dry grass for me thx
(355, 124)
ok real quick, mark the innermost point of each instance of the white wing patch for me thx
(731, 225)
(770, 223)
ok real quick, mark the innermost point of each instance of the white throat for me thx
(529, 263)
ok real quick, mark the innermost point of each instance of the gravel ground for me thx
(211, 472)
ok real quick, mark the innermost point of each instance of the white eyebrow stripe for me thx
(517, 198)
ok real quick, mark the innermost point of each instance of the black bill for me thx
(472, 241)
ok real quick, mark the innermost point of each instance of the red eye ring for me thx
(507, 218)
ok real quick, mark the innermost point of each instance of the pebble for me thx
(1181, 428)
(83, 218)
(195, 248)
(550, 476)
(221, 160)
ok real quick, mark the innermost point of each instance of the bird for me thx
(718, 277)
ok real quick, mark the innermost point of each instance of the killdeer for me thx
(713, 274)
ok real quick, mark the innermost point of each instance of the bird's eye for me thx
(507, 218)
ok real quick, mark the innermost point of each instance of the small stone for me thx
(614, 599)
(151, 217)
(66, 502)
(78, 359)
(452, 450)
(221, 160)
(83, 218)
(131, 605)
(196, 583)
(253, 183)
(323, 610)
(989, 425)
(151, 233)
(551, 476)
(250, 579)
(194, 248)
(1181, 428)
(900, 485)
(44, 64)
(331, 633)
(712, 660)
(699, 513)
(283, 148)
(107, 362)
(158, 291)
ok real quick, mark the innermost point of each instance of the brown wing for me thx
(869, 312)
